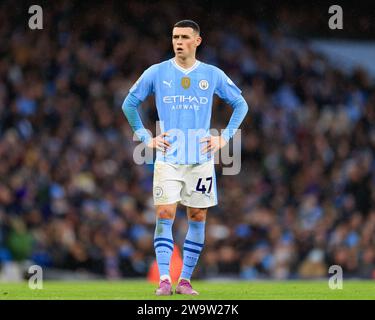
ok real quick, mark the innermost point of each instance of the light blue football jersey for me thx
(184, 104)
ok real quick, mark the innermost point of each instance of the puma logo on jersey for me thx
(169, 84)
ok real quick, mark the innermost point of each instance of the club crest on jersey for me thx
(185, 82)
(203, 84)
(158, 192)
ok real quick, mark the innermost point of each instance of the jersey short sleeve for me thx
(225, 87)
(144, 86)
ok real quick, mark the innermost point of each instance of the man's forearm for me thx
(240, 109)
(129, 107)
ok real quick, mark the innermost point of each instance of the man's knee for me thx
(166, 211)
(197, 214)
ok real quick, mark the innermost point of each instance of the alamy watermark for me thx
(36, 20)
(36, 278)
(336, 21)
(186, 145)
(336, 280)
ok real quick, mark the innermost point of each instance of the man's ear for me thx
(198, 41)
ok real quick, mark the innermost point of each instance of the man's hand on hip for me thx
(159, 142)
(214, 143)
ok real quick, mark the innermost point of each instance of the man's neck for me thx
(185, 63)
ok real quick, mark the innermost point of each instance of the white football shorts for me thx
(193, 185)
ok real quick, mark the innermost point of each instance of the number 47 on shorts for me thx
(202, 187)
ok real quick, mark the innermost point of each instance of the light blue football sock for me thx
(192, 247)
(163, 244)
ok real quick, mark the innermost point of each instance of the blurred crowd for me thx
(72, 198)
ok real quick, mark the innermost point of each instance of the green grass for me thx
(140, 290)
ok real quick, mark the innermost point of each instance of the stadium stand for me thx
(72, 198)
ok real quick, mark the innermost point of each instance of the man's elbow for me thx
(124, 106)
(246, 107)
(242, 104)
(129, 103)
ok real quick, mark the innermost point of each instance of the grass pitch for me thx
(142, 290)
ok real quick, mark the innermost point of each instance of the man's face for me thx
(185, 42)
